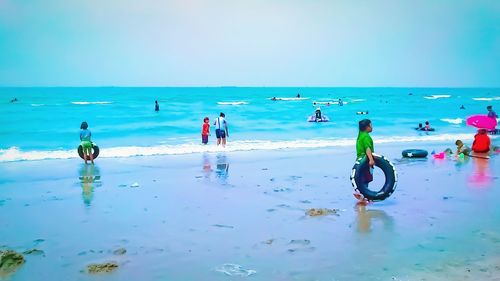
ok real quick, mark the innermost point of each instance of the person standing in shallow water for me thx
(221, 130)
(86, 142)
(364, 147)
(157, 106)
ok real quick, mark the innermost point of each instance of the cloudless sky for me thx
(250, 43)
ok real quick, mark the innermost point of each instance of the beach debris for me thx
(302, 242)
(304, 249)
(105, 267)
(321, 212)
(10, 261)
(268, 242)
(283, 189)
(232, 269)
(223, 226)
(120, 251)
(34, 252)
(135, 184)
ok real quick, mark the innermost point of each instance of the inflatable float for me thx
(414, 153)
(287, 99)
(362, 113)
(313, 118)
(360, 183)
(424, 130)
(95, 150)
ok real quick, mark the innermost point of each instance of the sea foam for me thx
(16, 154)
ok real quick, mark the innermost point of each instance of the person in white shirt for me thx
(221, 130)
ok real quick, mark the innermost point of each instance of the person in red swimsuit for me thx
(481, 142)
(205, 131)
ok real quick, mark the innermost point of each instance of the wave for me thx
(15, 154)
(434, 97)
(232, 102)
(90, 102)
(486, 99)
(37, 104)
(329, 102)
(289, 99)
(453, 121)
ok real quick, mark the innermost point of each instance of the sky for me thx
(384, 43)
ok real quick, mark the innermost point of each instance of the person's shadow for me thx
(365, 218)
(89, 178)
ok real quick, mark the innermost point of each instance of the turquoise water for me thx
(45, 122)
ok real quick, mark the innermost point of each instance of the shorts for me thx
(204, 139)
(220, 134)
(87, 147)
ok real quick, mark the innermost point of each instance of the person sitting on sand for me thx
(481, 142)
(462, 148)
(86, 142)
(364, 147)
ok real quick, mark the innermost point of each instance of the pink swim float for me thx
(482, 122)
(439, 155)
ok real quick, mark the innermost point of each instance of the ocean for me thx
(44, 122)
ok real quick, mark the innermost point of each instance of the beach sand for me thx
(242, 215)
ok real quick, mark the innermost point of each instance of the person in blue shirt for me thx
(86, 142)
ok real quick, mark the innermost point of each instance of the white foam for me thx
(453, 121)
(232, 102)
(329, 102)
(358, 100)
(486, 99)
(37, 104)
(289, 99)
(434, 97)
(15, 154)
(90, 102)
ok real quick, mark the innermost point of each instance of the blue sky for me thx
(249, 43)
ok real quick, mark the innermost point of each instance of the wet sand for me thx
(210, 216)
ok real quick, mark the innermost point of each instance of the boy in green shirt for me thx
(364, 147)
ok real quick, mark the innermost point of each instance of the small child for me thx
(205, 130)
(86, 143)
(427, 126)
(462, 148)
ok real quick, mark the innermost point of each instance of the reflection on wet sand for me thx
(365, 217)
(89, 178)
(481, 175)
(222, 170)
(207, 166)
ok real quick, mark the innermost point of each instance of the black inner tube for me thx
(414, 153)
(95, 151)
(360, 184)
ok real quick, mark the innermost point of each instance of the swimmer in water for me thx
(273, 98)
(157, 106)
(462, 107)
(298, 95)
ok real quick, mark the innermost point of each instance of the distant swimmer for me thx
(318, 113)
(298, 95)
(341, 103)
(362, 112)
(273, 98)
(462, 107)
(157, 106)
(427, 126)
(420, 127)
(14, 100)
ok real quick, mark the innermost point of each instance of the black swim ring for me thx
(95, 148)
(359, 183)
(414, 153)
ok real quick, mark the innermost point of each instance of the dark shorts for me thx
(204, 139)
(220, 134)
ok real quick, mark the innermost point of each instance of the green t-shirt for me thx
(364, 141)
